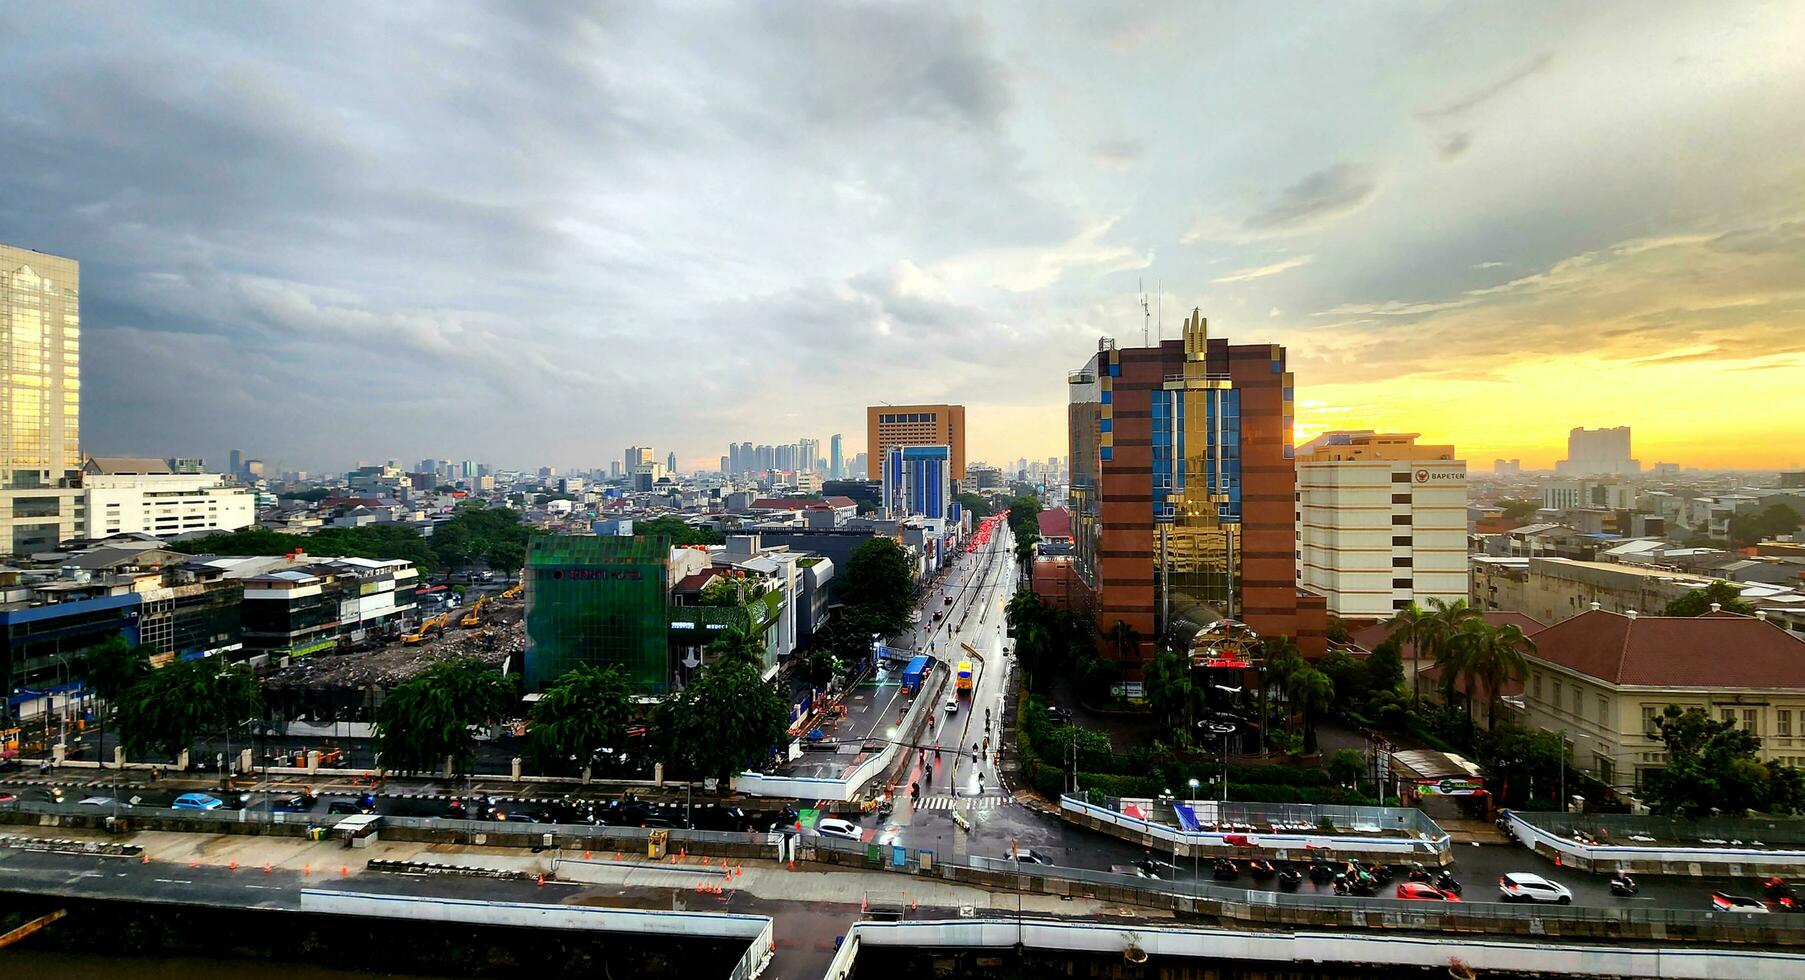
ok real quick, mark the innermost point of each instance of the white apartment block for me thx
(126, 495)
(1381, 523)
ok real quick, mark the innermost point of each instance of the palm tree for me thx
(1414, 626)
(1312, 692)
(739, 642)
(109, 669)
(1168, 685)
(1499, 660)
(1125, 637)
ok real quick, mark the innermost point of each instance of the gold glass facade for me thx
(40, 368)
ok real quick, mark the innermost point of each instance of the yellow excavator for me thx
(513, 591)
(428, 626)
(474, 617)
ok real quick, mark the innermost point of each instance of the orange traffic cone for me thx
(144, 857)
(266, 867)
(736, 871)
(542, 880)
(343, 871)
(585, 855)
(233, 865)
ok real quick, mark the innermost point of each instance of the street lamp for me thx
(1194, 874)
(1564, 734)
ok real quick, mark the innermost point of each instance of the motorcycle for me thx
(1225, 870)
(1290, 879)
(1260, 869)
(1379, 872)
(1322, 872)
(1624, 885)
(1780, 893)
(1448, 883)
(1414, 871)
(1360, 884)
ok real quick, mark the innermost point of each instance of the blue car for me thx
(195, 801)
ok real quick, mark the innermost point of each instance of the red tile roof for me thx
(695, 581)
(1676, 651)
(1056, 523)
(839, 501)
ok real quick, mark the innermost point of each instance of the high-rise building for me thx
(670, 462)
(40, 399)
(726, 466)
(237, 463)
(859, 466)
(748, 459)
(614, 470)
(1598, 452)
(914, 425)
(836, 460)
(807, 452)
(1381, 522)
(917, 481)
(1182, 484)
(636, 455)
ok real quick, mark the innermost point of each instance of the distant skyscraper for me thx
(670, 462)
(748, 459)
(836, 463)
(917, 480)
(726, 465)
(636, 455)
(614, 470)
(236, 460)
(915, 425)
(807, 451)
(1594, 452)
(860, 466)
(40, 399)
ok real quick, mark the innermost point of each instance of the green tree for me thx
(582, 713)
(878, 581)
(726, 719)
(722, 593)
(681, 533)
(1311, 693)
(1756, 526)
(1415, 626)
(165, 711)
(1698, 601)
(1346, 766)
(432, 715)
(1518, 510)
(1498, 657)
(1350, 677)
(109, 669)
(1169, 688)
(505, 557)
(739, 642)
(1521, 762)
(978, 507)
(1385, 668)
(1125, 637)
(1714, 766)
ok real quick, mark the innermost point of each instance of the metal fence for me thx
(1621, 828)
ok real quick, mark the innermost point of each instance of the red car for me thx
(1416, 891)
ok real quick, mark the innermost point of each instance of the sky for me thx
(534, 234)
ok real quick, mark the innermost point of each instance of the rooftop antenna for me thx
(1159, 304)
(1146, 315)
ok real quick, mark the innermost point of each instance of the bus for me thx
(965, 675)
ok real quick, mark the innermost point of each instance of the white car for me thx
(952, 706)
(1525, 887)
(843, 829)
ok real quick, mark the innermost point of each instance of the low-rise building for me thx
(297, 604)
(1602, 679)
(127, 495)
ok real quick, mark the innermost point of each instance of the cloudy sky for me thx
(527, 234)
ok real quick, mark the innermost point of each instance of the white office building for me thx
(1381, 523)
(127, 495)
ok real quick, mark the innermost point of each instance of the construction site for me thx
(346, 685)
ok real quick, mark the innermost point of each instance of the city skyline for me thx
(1476, 262)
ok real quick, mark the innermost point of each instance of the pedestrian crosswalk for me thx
(965, 802)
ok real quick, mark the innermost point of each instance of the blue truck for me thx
(913, 674)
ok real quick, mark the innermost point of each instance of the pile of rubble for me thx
(502, 634)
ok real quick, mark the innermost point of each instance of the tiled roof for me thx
(1056, 523)
(1676, 651)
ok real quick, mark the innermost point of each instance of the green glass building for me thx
(598, 600)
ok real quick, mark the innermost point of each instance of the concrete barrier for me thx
(1312, 951)
(1692, 861)
(1272, 846)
